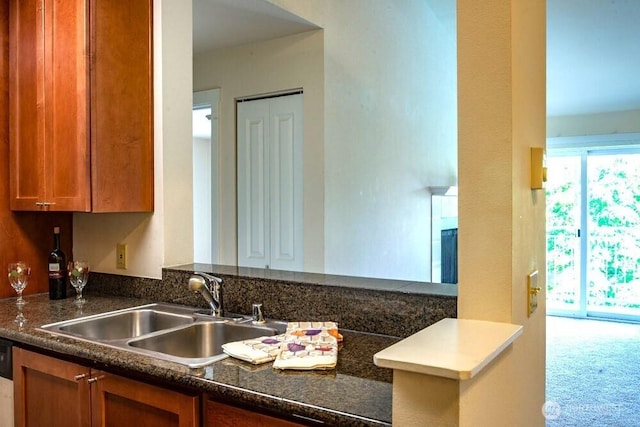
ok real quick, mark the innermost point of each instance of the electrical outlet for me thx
(121, 256)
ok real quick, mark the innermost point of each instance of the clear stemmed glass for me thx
(19, 273)
(78, 276)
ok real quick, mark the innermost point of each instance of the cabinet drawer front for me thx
(221, 415)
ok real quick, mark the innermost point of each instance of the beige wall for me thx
(616, 122)
(501, 66)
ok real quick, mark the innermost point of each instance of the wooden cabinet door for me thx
(53, 392)
(119, 401)
(26, 103)
(81, 105)
(49, 105)
(66, 77)
(122, 105)
(49, 391)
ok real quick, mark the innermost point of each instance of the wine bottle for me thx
(57, 269)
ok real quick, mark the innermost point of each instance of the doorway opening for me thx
(593, 230)
(205, 176)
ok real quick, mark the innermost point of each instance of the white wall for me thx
(164, 237)
(387, 124)
(389, 130)
(385, 146)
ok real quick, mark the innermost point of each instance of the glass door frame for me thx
(583, 147)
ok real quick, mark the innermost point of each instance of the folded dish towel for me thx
(308, 345)
(313, 328)
(257, 350)
(304, 345)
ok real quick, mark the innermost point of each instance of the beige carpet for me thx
(593, 373)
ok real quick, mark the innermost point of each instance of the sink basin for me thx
(165, 331)
(127, 324)
(197, 344)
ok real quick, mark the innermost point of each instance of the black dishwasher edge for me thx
(6, 359)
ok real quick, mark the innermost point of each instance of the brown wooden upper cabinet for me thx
(81, 105)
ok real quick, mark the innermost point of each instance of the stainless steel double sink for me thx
(165, 331)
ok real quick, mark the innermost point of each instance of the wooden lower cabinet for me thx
(220, 415)
(54, 392)
(46, 392)
(119, 401)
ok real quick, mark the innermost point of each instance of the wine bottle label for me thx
(54, 266)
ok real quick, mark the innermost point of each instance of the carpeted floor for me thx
(593, 373)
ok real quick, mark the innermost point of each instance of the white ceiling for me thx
(593, 56)
(224, 23)
(593, 46)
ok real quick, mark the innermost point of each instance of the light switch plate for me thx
(532, 292)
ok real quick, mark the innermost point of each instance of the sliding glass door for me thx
(564, 207)
(593, 233)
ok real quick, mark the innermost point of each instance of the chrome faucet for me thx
(209, 287)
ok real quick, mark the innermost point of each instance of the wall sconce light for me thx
(538, 168)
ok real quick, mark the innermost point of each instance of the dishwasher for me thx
(6, 384)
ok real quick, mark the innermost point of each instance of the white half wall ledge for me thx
(451, 348)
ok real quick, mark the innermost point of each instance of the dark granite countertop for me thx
(355, 393)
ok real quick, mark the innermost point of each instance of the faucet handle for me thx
(209, 277)
(258, 317)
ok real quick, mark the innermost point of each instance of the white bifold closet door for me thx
(269, 133)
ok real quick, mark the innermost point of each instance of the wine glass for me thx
(78, 276)
(19, 273)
